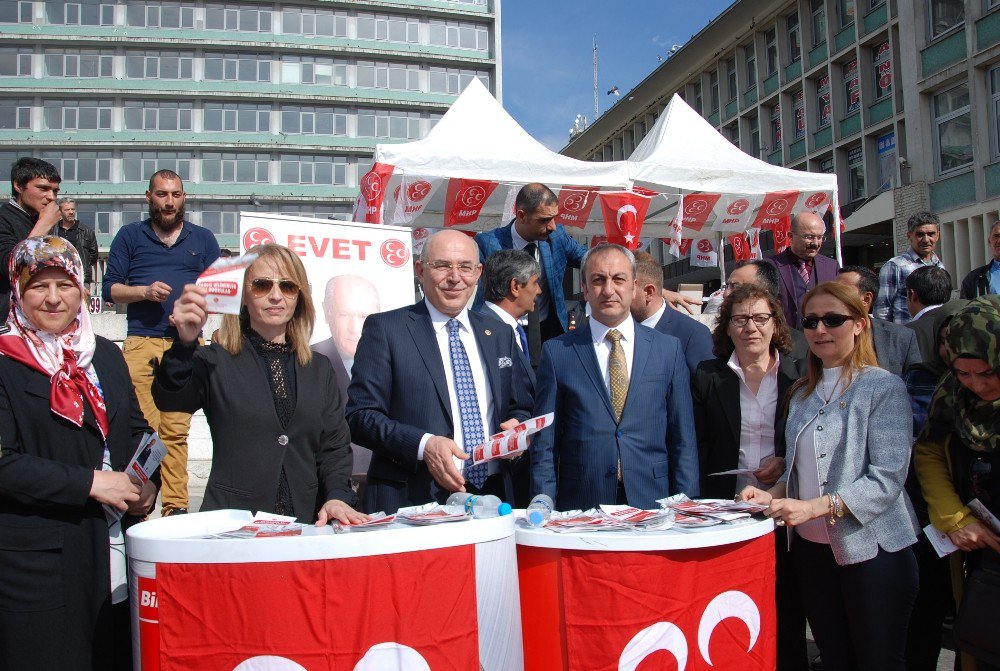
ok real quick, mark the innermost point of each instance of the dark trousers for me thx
(934, 598)
(859, 613)
(793, 654)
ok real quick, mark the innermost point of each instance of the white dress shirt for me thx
(806, 469)
(439, 322)
(924, 311)
(756, 420)
(654, 319)
(602, 346)
(508, 319)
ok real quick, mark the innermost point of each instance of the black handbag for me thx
(976, 624)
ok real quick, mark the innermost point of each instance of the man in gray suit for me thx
(895, 345)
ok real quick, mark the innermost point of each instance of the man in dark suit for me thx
(985, 280)
(801, 266)
(895, 345)
(927, 289)
(620, 391)
(431, 381)
(649, 309)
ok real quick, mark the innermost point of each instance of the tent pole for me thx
(836, 229)
(722, 256)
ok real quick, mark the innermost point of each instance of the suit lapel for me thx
(422, 332)
(504, 237)
(785, 270)
(729, 397)
(640, 353)
(584, 346)
(487, 341)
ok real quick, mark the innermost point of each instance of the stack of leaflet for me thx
(264, 525)
(708, 512)
(431, 513)
(610, 518)
(377, 520)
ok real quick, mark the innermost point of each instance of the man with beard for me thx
(148, 265)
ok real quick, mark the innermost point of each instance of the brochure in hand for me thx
(144, 463)
(512, 441)
(223, 281)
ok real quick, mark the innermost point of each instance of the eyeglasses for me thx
(262, 286)
(831, 321)
(812, 238)
(760, 319)
(444, 268)
(979, 474)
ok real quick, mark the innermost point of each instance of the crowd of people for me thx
(854, 431)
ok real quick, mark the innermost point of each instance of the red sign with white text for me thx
(575, 204)
(465, 200)
(624, 214)
(372, 194)
(697, 208)
(777, 208)
(741, 249)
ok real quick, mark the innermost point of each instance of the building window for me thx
(391, 76)
(310, 70)
(882, 70)
(397, 125)
(856, 172)
(751, 63)
(313, 22)
(236, 168)
(770, 52)
(696, 96)
(732, 133)
(945, 15)
(237, 68)
(798, 115)
(153, 65)
(14, 115)
(852, 87)
(398, 29)
(97, 216)
(824, 108)
(731, 81)
(313, 120)
(18, 11)
(872, 4)
(316, 211)
(82, 166)
(713, 87)
(453, 81)
(238, 18)
(159, 15)
(236, 118)
(826, 165)
(149, 115)
(457, 35)
(14, 64)
(140, 166)
(77, 114)
(775, 129)
(754, 124)
(80, 13)
(845, 13)
(953, 129)
(794, 37)
(818, 22)
(81, 63)
(220, 219)
(887, 161)
(326, 170)
(994, 107)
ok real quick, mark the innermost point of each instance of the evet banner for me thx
(354, 269)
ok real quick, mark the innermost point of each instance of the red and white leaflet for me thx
(576, 522)
(430, 513)
(144, 463)
(511, 441)
(264, 525)
(642, 520)
(377, 520)
(223, 282)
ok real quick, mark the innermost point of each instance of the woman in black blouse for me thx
(280, 441)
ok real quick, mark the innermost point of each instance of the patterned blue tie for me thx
(523, 337)
(468, 405)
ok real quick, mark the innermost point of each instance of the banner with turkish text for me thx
(464, 200)
(623, 214)
(368, 207)
(575, 204)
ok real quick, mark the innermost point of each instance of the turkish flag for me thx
(368, 207)
(412, 196)
(705, 254)
(777, 207)
(741, 250)
(709, 608)
(465, 200)
(624, 213)
(697, 208)
(575, 204)
(323, 615)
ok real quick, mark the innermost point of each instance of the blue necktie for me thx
(468, 405)
(523, 337)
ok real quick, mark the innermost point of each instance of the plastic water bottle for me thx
(539, 510)
(478, 506)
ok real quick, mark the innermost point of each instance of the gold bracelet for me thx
(838, 505)
(833, 518)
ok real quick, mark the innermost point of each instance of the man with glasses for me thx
(432, 381)
(149, 263)
(923, 230)
(801, 266)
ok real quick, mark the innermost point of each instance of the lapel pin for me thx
(488, 332)
(843, 404)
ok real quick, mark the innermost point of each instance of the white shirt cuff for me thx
(423, 444)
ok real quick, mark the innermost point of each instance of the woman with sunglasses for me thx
(280, 441)
(957, 455)
(848, 436)
(738, 411)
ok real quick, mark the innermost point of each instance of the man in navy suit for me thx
(430, 382)
(649, 309)
(801, 266)
(620, 391)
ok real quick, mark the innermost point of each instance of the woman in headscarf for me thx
(69, 424)
(957, 455)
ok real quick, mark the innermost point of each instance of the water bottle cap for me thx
(536, 518)
(504, 509)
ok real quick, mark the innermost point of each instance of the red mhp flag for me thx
(324, 615)
(782, 237)
(734, 212)
(753, 235)
(712, 606)
(705, 254)
(575, 204)
(817, 202)
(368, 207)
(777, 208)
(465, 199)
(697, 208)
(623, 216)
(412, 196)
(741, 250)
(684, 247)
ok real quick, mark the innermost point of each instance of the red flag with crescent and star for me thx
(624, 214)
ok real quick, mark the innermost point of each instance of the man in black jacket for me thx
(80, 236)
(985, 279)
(31, 211)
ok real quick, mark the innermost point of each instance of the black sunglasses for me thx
(262, 286)
(831, 321)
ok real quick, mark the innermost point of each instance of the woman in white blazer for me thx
(848, 434)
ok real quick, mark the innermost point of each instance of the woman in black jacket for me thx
(69, 422)
(280, 441)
